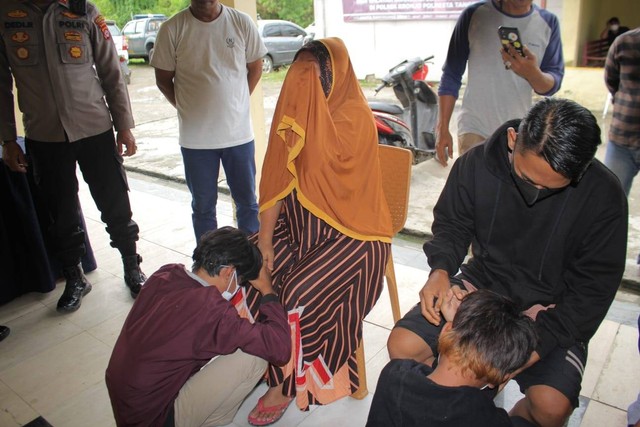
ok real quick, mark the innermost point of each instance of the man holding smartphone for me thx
(499, 81)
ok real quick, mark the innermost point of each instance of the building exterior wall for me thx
(376, 46)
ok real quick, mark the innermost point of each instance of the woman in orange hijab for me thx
(325, 228)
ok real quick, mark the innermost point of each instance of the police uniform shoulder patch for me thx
(17, 14)
(69, 15)
(22, 53)
(75, 51)
(102, 24)
(20, 37)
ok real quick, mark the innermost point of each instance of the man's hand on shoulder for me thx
(125, 138)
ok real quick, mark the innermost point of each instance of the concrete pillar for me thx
(257, 108)
(571, 31)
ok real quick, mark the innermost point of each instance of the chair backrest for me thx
(395, 164)
(594, 52)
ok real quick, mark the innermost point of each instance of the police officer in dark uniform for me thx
(72, 94)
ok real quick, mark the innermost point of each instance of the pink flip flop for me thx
(278, 412)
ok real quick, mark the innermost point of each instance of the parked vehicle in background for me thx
(411, 126)
(121, 47)
(283, 39)
(141, 34)
(311, 30)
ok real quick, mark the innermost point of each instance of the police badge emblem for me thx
(20, 37)
(22, 53)
(75, 51)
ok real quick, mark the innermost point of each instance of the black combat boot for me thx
(76, 287)
(4, 332)
(133, 276)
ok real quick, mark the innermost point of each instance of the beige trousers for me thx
(467, 141)
(213, 395)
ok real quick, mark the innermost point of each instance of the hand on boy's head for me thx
(452, 301)
(263, 283)
(433, 294)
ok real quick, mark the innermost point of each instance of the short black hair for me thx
(489, 336)
(227, 246)
(563, 132)
(613, 20)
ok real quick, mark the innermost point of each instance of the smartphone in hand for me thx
(510, 36)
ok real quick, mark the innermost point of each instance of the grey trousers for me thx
(213, 395)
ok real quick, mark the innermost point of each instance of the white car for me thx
(311, 29)
(121, 47)
(282, 39)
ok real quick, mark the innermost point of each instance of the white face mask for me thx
(614, 27)
(228, 295)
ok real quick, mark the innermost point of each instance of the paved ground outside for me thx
(159, 154)
(53, 365)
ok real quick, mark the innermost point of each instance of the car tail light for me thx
(125, 43)
(123, 59)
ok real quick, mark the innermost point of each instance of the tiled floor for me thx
(53, 365)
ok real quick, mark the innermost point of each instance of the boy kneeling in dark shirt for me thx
(483, 345)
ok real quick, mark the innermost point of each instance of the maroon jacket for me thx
(175, 326)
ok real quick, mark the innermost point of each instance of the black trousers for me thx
(54, 168)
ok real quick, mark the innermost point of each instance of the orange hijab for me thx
(326, 148)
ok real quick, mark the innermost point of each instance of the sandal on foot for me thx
(277, 410)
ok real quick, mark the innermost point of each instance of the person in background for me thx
(185, 356)
(620, 71)
(208, 61)
(612, 30)
(499, 82)
(547, 225)
(325, 227)
(72, 94)
(483, 344)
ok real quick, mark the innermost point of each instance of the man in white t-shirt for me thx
(208, 60)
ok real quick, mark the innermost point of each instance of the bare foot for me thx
(274, 396)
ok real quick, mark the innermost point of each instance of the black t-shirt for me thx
(611, 35)
(406, 397)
